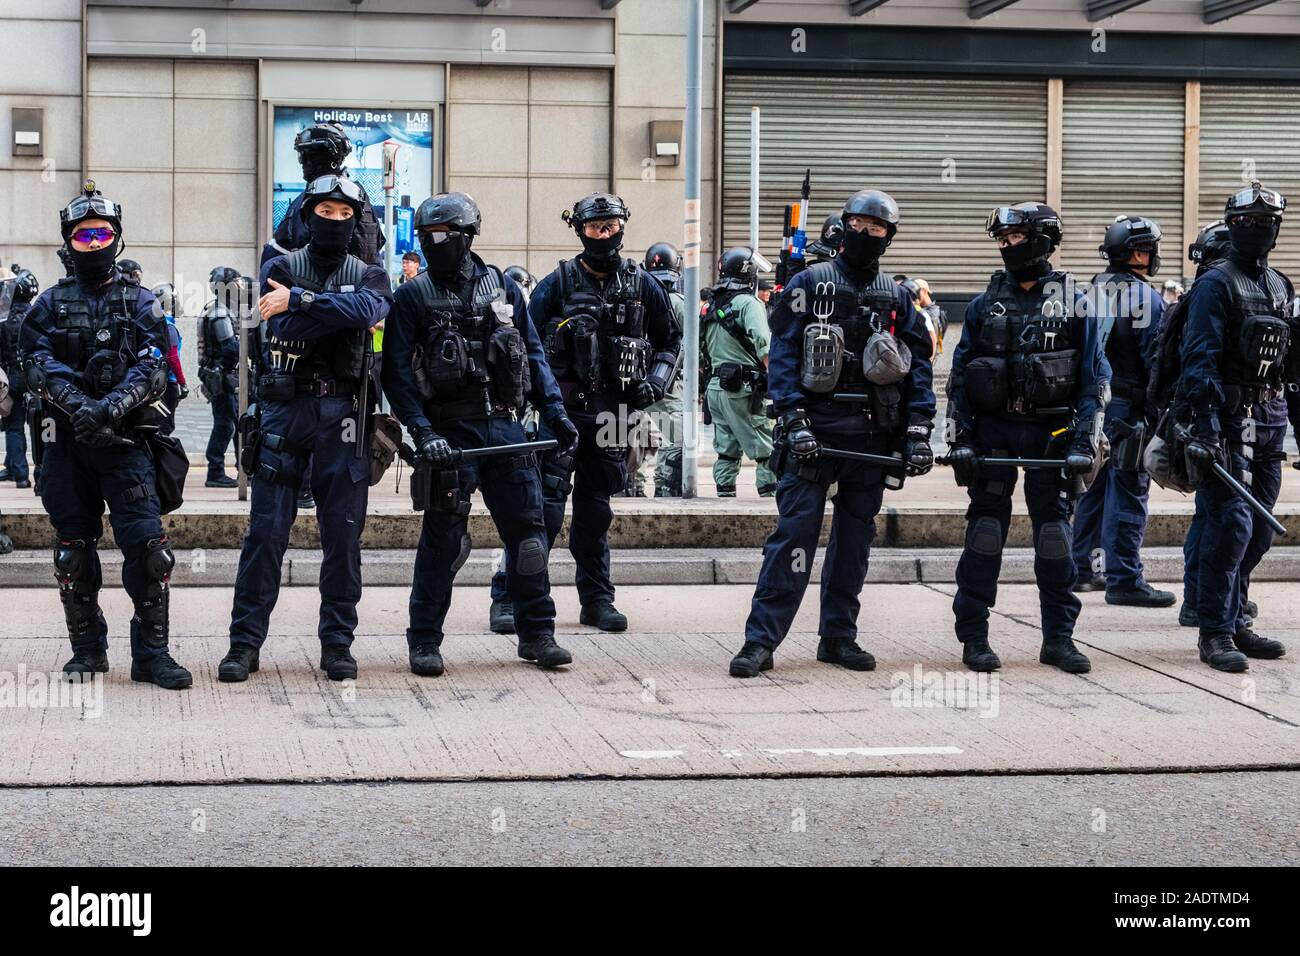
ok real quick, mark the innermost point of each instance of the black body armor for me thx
(1129, 375)
(99, 349)
(329, 365)
(1256, 341)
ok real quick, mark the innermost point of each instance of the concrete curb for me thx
(393, 567)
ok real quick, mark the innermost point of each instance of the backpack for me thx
(1167, 363)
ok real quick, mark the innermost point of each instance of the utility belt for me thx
(446, 412)
(1238, 399)
(732, 376)
(283, 387)
(1040, 385)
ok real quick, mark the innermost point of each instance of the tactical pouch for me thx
(385, 441)
(277, 387)
(1129, 445)
(987, 385)
(434, 489)
(1263, 342)
(1051, 378)
(103, 371)
(586, 354)
(628, 359)
(170, 466)
(885, 360)
(557, 343)
(887, 407)
(731, 376)
(823, 357)
(447, 363)
(210, 382)
(994, 333)
(508, 361)
(250, 439)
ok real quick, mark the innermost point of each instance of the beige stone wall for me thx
(40, 68)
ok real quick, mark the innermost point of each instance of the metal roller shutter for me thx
(1122, 154)
(1252, 131)
(948, 150)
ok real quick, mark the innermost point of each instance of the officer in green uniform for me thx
(735, 339)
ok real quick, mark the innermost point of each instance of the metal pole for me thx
(691, 273)
(754, 116)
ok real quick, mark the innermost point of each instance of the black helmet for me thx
(330, 138)
(595, 206)
(128, 266)
(165, 293)
(90, 204)
(827, 245)
(1038, 218)
(738, 263)
(26, 287)
(663, 261)
(1256, 200)
(332, 187)
(222, 277)
(457, 211)
(522, 276)
(1211, 244)
(1129, 234)
(877, 205)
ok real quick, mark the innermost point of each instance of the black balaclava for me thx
(602, 254)
(1027, 261)
(1253, 243)
(317, 163)
(329, 241)
(446, 259)
(93, 268)
(862, 251)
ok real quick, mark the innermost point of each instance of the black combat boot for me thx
(603, 615)
(1252, 645)
(337, 662)
(501, 618)
(220, 481)
(725, 491)
(978, 656)
(1062, 653)
(547, 654)
(163, 671)
(1140, 594)
(846, 653)
(86, 660)
(1219, 652)
(426, 660)
(240, 661)
(751, 661)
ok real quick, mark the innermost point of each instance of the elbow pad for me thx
(664, 369)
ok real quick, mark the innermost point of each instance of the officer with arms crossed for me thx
(219, 368)
(735, 339)
(610, 338)
(321, 151)
(1027, 381)
(462, 358)
(1112, 516)
(92, 349)
(849, 369)
(319, 304)
(1237, 357)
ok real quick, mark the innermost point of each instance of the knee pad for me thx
(1053, 541)
(984, 536)
(76, 568)
(531, 557)
(151, 607)
(74, 563)
(462, 555)
(158, 560)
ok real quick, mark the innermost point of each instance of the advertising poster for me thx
(369, 130)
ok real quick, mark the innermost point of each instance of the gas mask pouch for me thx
(508, 361)
(887, 407)
(731, 376)
(885, 360)
(823, 357)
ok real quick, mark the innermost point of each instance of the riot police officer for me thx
(1111, 517)
(321, 151)
(319, 304)
(522, 278)
(462, 358)
(1028, 381)
(25, 289)
(1236, 361)
(735, 336)
(131, 270)
(664, 262)
(92, 350)
(219, 368)
(849, 370)
(177, 388)
(827, 244)
(608, 331)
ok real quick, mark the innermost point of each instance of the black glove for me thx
(799, 435)
(643, 395)
(434, 449)
(565, 432)
(917, 453)
(184, 392)
(965, 464)
(1201, 452)
(90, 423)
(1079, 459)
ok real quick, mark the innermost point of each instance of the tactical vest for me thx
(209, 347)
(1123, 349)
(599, 338)
(469, 358)
(339, 355)
(1257, 335)
(100, 348)
(859, 311)
(1025, 359)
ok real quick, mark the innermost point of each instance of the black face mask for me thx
(446, 258)
(93, 268)
(329, 240)
(1028, 260)
(317, 163)
(1253, 242)
(862, 250)
(602, 253)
